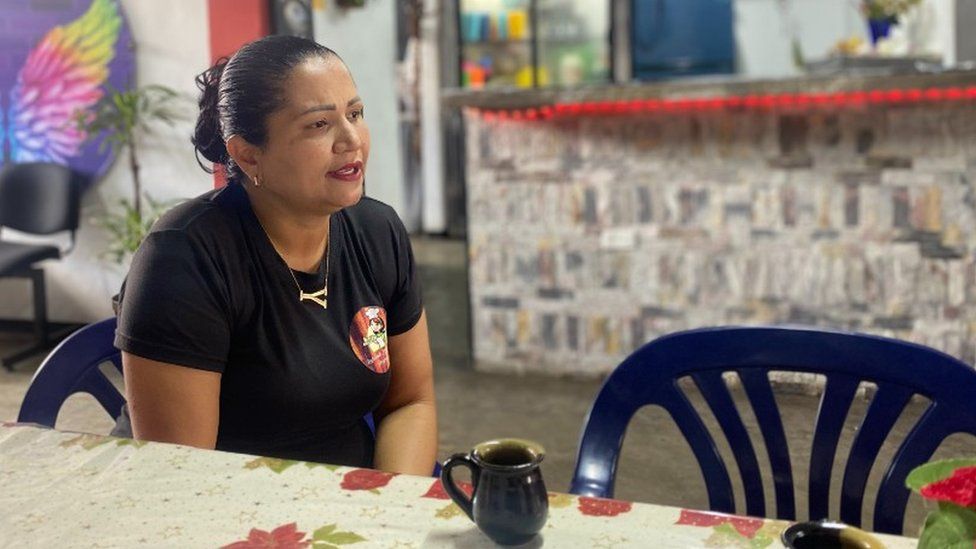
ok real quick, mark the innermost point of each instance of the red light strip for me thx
(779, 102)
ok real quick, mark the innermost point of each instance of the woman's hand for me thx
(406, 435)
(170, 403)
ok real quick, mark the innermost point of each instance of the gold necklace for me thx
(320, 297)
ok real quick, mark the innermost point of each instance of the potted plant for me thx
(882, 14)
(952, 484)
(125, 116)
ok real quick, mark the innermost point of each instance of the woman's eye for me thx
(356, 115)
(320, 124)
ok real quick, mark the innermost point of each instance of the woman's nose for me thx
(348, 139)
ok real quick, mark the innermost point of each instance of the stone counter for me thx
(712, 86)
(591, 235)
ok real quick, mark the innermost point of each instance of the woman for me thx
(249, 318)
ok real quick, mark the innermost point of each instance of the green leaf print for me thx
(87, 441)
(332, 468)
(725, 535)
(131, 442)
(275, 464)
(327, 536)
(345, 538)
(449, 511)
(324, 531)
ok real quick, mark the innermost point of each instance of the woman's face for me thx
(318, 142)
(376, 325)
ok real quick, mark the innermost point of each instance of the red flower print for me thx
(743, 525)
(960, 488)
(600, 507)
(365, 479)
(285, 536)
(437, 490)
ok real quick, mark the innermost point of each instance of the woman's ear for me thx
(244, 154)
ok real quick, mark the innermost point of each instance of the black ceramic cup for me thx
(825, 534)
(509, 502)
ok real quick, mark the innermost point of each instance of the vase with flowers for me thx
(883, 14)
(952, 485)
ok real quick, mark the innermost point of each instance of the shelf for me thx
(701, 87)
(571, 41)
(496, 43)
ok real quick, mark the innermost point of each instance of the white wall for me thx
(365, 38)
(171, 48)
(764, 29)
(932, 29)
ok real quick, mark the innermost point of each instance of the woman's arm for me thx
(406, 435)
(170, 403)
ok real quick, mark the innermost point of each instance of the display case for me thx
(533, 43)
(574, 42)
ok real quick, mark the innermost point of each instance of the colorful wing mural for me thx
(63, 73)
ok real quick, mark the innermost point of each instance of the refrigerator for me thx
(533, 43)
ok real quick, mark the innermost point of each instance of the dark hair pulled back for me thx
(239, 93)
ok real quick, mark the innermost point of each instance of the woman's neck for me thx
(300, 240)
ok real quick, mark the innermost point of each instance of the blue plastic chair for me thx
(72, 367)
(899, 369)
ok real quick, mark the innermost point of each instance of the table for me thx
(60, 489)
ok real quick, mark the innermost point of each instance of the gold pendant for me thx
(319, 297)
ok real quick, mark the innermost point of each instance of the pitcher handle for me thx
(452, 489)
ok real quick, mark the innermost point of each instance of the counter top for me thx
(699, 87)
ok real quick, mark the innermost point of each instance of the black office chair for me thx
(38, 198)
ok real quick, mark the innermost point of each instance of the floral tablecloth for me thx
(61, 489)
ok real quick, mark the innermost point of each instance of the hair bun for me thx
(208, 138)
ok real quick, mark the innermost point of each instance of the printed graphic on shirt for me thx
(367, 335)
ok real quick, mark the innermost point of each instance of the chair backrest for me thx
(899, 369)
(72, 367)
(40, 197)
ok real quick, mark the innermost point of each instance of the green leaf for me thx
(726, 529)
(275, 464)
(118, 120)
(332, 468)
(724, 535)
(128, 228)
(934, 471)
(121, 112)
(761, 541)
(951, 527)
(324, 531)
(328, 534)
(279, 466)
(344, 538)
(131, 442)
(323, 545)
(87, 441)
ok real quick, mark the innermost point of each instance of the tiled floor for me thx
(656, 465)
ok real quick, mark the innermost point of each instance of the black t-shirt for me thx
(207, 290)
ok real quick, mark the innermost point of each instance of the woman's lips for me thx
(350, 172)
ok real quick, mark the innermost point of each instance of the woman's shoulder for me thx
(372, 219)
(371, 210)
(206, 216)
(376, 230)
